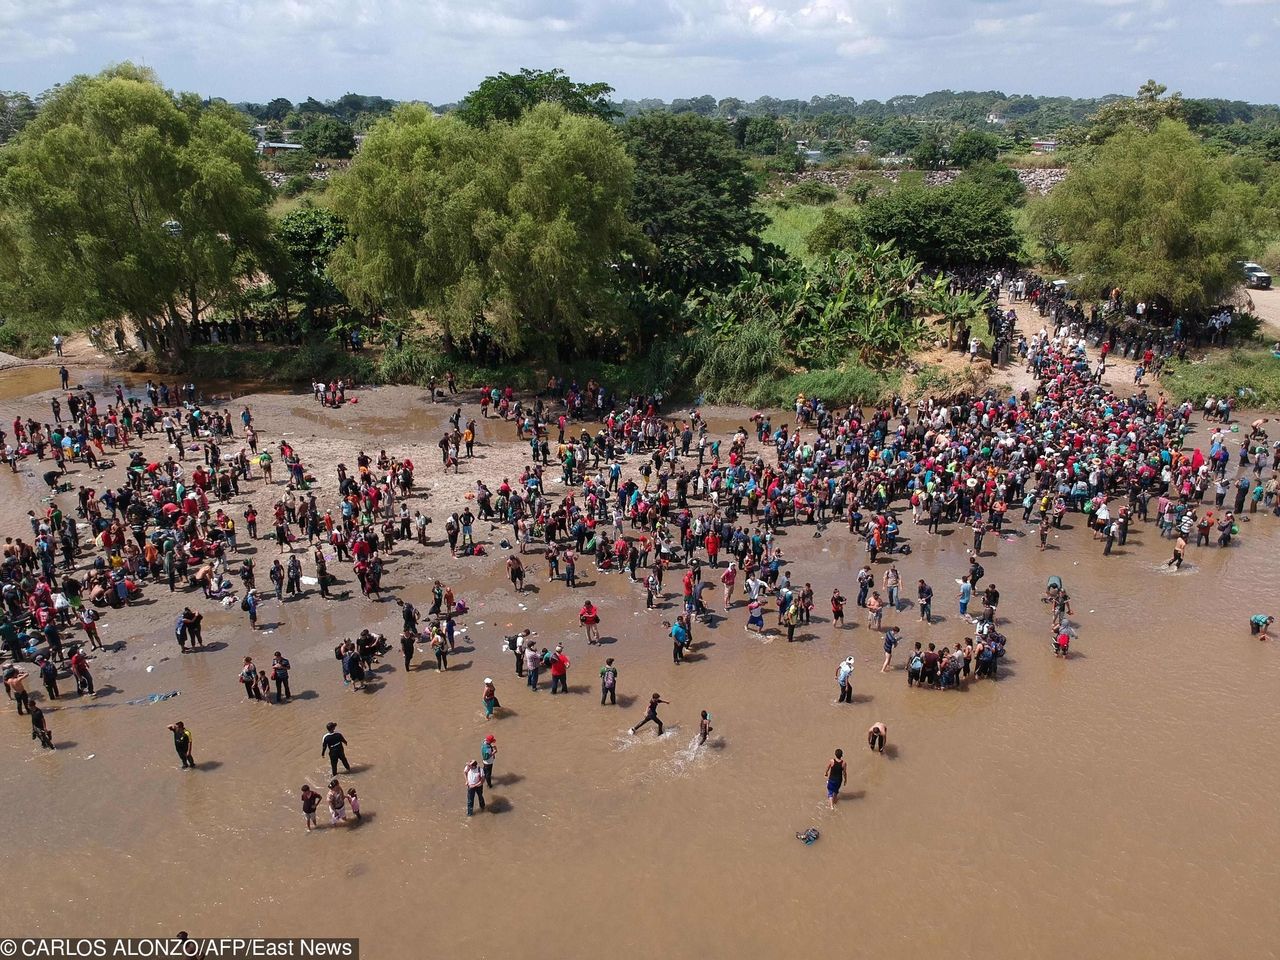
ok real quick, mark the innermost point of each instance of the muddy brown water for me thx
(1119, 804)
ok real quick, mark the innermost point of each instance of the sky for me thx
(437, 50)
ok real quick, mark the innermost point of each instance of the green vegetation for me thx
(156, 219)
(540, 227)
(789, 227)
(947, 227)
(329, 137)
(1151, 212)
(513, 222)
(508, 96)
(692, 198)
(1253, 376)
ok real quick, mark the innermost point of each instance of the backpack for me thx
(609, 677)
(979, 572)
(917, 663)
(244, 603)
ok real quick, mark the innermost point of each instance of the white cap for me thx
(488, 679)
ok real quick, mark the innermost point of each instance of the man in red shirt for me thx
(589, 617)
(559, 670)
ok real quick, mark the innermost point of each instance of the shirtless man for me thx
(16, 681)
(876, 736)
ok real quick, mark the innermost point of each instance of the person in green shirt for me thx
(609, 683)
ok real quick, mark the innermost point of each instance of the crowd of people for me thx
(640, 494)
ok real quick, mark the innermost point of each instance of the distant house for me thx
(1044, 146)
(996, 120)
(269, 148)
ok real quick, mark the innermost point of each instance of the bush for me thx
(27, 338)
(812, 193)
(836, 387)
(297, 184)
(1252, 376)
(860, 190)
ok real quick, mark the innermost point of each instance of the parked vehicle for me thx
(1255, 278)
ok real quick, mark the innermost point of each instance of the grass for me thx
(30, 338)
(852, 383)
(1252, 376)
(789, 227)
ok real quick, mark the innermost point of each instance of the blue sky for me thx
(438, 49)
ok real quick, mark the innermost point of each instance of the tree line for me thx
(533, 223)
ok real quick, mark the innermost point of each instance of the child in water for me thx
(310, 801)
(704, 728)
(354, 802)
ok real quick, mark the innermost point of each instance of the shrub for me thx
(812, 193)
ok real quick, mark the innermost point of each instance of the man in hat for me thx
(488, 752)
(844, 677)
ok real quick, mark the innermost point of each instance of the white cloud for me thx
(438, 49)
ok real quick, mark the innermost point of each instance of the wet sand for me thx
(1114, 805)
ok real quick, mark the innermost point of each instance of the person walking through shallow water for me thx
(837, 776)
(651, 714)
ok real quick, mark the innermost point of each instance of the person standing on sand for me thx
(589, 617)
(182, 744)
(837, 776)
(559, 664)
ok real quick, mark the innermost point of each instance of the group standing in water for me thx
(714, 507)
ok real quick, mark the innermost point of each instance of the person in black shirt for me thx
(334, 744)
(182, 744)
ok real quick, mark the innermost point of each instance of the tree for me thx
(507, 96)
(277, 109)
(693, 198)
(121, 202)
(1146, 111)
(308, 236)
(16, 111)
(329, 138)
(513, 228)
(972, 147)
(929, 153)
(944, 227)
(1153, 214)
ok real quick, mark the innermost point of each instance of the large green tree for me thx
(953, 226)
(328, 137)
(693, 199)
(308, 237)
(516, 228)
(121, 203)
(1154, 214)
(507, 96)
